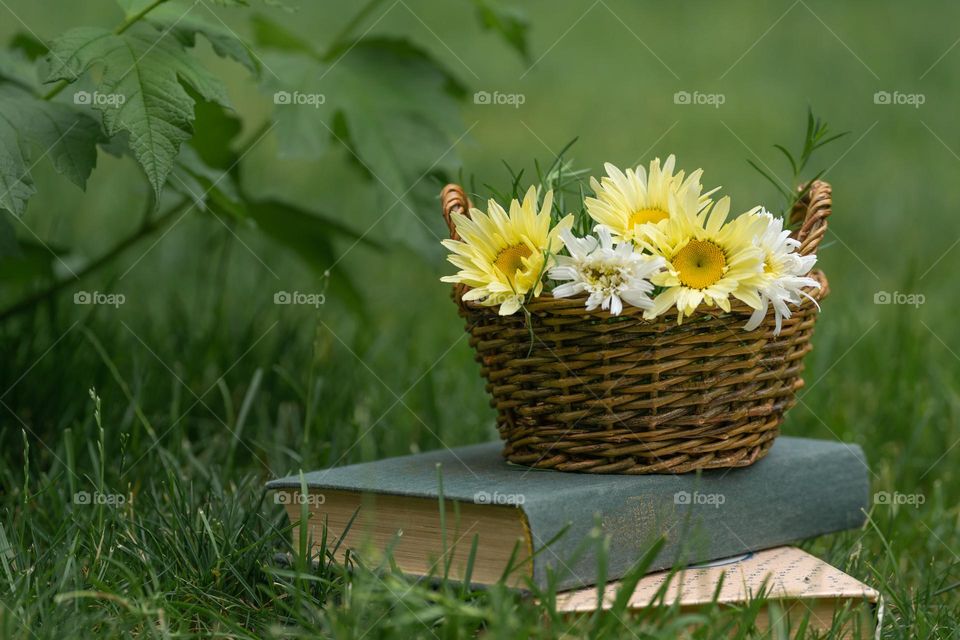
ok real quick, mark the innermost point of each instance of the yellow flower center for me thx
(510, 259)
(700, 263)
(644, 216)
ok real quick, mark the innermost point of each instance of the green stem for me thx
(356, 21)
(142, 232)
(135, 18)
(57, 88)
(120, 28)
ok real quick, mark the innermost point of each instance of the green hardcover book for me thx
(526, 523)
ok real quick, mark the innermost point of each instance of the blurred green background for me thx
(339, 384)
(605, 73)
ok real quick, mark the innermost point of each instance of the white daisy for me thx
(610, 273)
(784, 272)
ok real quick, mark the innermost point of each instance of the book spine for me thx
(704, 517)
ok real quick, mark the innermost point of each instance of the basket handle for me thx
(454, 200)
(811, 212)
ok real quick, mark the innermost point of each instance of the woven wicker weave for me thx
(602, 394)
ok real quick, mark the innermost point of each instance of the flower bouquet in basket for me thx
(651, 331)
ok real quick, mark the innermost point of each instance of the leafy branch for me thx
(817, 136)
(560, 176)
(146, 229)
(393, 106)
(149, 226)
(128, 22)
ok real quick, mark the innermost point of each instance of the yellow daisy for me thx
(708, 260)
(502, 257)
(632, 203)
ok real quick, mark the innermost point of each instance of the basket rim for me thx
(546, 304)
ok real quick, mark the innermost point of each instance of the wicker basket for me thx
(602, 394)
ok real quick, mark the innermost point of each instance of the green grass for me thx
(192, 549)
(208, 389)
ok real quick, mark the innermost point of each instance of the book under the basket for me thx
(531, 523)
(796, 585)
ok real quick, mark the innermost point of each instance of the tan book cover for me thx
(800, 582)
